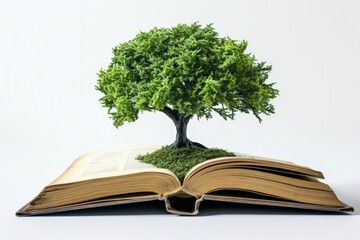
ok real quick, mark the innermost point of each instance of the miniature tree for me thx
(184, 71)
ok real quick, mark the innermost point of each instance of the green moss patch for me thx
(181, 160)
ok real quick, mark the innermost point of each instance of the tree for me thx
(184, 71)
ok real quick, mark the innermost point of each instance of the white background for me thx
(50, 52)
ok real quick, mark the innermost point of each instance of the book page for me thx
(243, 160)
(108, 163)
(251, 156)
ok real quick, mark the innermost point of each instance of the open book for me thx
(114, 176)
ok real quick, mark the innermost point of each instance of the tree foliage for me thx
(187, 70)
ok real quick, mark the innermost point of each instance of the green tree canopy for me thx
(184, 71)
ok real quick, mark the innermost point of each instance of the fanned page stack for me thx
(114, 176)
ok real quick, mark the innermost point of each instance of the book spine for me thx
(184, 211)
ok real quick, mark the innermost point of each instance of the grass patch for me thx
(181, 160)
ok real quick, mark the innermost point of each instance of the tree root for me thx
(187, 144)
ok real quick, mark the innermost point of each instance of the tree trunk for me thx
(181, 139)
(181, 121)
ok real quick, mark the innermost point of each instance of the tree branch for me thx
(187, 119)
(252, 109)
(171, 113)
